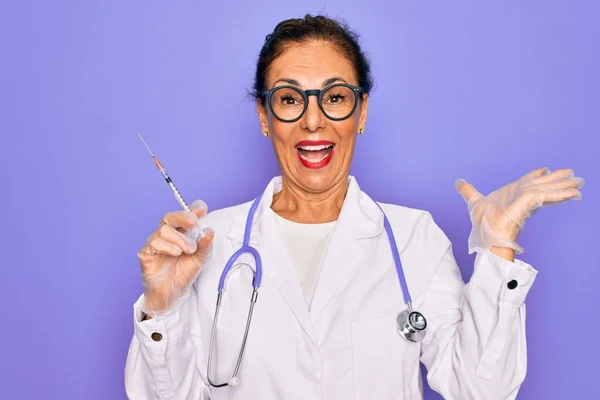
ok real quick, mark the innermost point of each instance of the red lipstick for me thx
(315, 154)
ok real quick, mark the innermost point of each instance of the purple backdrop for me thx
(481, 91)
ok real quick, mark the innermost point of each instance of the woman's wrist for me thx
(504, 252)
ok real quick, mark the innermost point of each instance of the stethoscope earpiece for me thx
(233, 381)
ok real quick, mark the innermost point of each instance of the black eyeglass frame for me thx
(356, 90)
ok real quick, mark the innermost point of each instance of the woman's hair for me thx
(300, 30)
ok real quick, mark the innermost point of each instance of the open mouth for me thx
(315, 153)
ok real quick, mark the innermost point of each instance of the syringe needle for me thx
(143, 141)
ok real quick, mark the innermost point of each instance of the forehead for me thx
(311, 63)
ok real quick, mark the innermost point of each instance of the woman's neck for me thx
(295, 204)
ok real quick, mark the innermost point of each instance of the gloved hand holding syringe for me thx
(170, 258)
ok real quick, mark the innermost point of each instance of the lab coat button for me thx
(157, 337)
(512, 284)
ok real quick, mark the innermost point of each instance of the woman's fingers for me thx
(535, 174)
(161, 246)
(180, 219)
(558, 175)
(533, 200)
(561, 195)
(563, 184)
(171, 235)
(184, 221)
(169, 238)
(555, 187)
(199, 208)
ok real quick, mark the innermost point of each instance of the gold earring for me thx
(266, 134)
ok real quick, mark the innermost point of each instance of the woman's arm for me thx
(164, 357)
(476, 344)
(475, 347)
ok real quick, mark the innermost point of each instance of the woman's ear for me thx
(262, 117)
(364, 105)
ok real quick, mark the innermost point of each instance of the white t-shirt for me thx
(307, 244)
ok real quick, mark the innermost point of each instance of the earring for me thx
(266, 134)
(361, 131)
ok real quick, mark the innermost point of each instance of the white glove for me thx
(170, 260)
(499, 217)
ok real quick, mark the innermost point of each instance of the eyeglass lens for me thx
(336, 102)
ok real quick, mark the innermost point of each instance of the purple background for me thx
(481, 91)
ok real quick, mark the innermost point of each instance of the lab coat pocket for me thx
(385, 365)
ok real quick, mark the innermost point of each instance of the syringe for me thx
(162, 170)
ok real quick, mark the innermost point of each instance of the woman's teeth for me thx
(315, 148)
(314, 154)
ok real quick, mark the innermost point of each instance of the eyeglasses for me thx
(337, 101)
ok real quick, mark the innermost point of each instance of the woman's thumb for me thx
(205, 244)
(466, 190)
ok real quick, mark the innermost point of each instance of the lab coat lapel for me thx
(278, 267)
(359, 218)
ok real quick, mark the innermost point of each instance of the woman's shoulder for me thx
(403, 213)
(414, 227)
(421, 243)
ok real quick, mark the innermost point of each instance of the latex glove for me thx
(171, 260)
(499, 217)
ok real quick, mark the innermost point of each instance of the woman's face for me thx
(298, 145)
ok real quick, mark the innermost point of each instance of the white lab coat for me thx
(346, 346)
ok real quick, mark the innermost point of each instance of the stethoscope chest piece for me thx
(411, 325)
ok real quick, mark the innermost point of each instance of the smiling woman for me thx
(318, 105)
(344, 275)
(317, 94)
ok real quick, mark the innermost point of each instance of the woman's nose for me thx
(313, 118)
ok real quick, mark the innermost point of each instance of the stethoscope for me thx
(410, 324)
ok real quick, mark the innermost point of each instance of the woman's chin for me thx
(317, 182)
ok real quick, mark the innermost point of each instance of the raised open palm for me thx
(499, 217)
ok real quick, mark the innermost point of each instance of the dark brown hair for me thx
(299, 30)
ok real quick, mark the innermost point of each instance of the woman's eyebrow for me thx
(294, 82)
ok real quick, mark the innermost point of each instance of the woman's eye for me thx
(289, 100)
(336, 98)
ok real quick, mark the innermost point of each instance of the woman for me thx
(324, 325)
